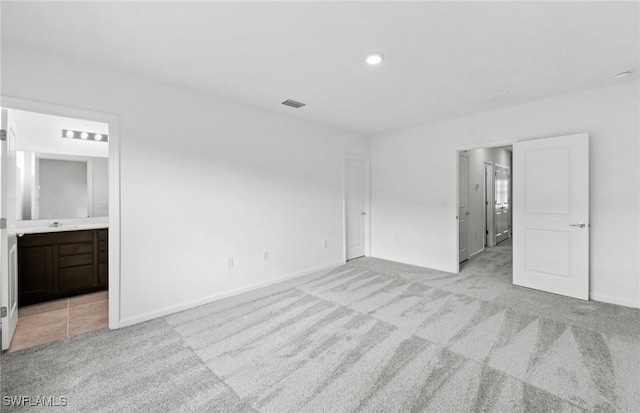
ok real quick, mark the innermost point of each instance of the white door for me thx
(463, 207)
(355, 204)
(501, 203)
(8, 242)
(551, 215)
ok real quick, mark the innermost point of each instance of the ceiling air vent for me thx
(496, 100)
(293, 103)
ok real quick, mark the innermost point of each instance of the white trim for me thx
(113, 121)
(367, 204)
(216, 297)
(614, 300)
(477, 252)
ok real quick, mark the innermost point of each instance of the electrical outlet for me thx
(230, 262)
(265, 255)
(325, 244)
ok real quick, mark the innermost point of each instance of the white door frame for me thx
(10, 102)
(455, 190)
(367, 204)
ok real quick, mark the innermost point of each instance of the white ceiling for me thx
(441, 57)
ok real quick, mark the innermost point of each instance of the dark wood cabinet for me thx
(61, 264)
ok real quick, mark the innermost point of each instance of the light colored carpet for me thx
(370, 336)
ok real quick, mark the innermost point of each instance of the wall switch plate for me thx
(325, 244)
(265, 255)
(230, 262)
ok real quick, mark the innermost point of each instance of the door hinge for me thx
(3, 223)
(4, 312)
(3, 135)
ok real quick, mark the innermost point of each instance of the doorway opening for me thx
(550, 208)
(357, 204)
(484, 202)
(60, 198)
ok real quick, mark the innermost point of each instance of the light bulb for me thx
(84, 135)
(374, 58)
(69, 134)
(98, 137)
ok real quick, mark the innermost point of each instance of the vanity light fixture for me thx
(85, 136)
(374, 58)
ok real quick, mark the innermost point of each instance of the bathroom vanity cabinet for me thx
(62, 264)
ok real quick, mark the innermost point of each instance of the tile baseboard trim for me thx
(614, 300)
(212, 298)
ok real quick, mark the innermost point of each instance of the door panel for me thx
(8, 240)
(355, 207)
(463, 207)
(501, 203)
(551, 215)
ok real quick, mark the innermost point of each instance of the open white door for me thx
(463, 207)
(551, 215)
(8, 241)
(355, 205)
(501, 203)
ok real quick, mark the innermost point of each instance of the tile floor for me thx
(60, 319)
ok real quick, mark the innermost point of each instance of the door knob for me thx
(364, 213)
(467, 213)
(579, 225)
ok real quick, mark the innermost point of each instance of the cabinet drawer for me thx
(75, 260)
(75, 249)
(74, 278)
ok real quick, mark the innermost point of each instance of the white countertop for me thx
(71, 227)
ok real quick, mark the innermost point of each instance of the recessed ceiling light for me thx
(374, 58)
(622, 75)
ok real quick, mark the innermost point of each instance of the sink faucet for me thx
(56, 224)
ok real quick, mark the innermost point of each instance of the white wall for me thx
(100, 176)
(476, 221)
(202, 179)
(43, 133)
(413, 181)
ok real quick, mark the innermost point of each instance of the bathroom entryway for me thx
(60, 319)
(57, 195)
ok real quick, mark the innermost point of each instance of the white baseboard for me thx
(476, 253)
(216, 297)
(416, 264)
(614, 300)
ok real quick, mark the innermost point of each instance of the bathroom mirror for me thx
(53, 186)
